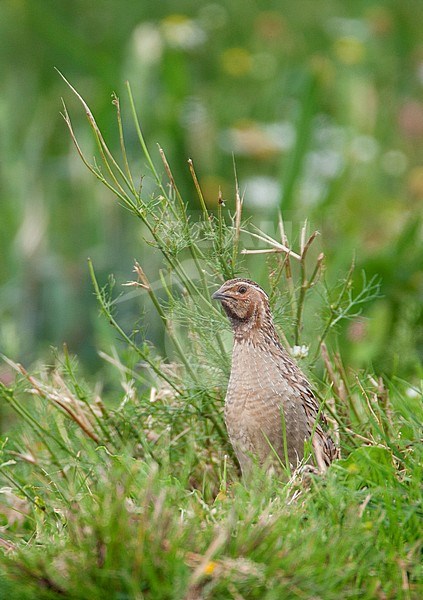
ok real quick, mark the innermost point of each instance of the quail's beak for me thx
(218, 295)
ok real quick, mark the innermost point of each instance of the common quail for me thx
(268, 398)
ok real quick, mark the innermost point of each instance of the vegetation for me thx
(132, 491)
(320, 105)
(116, 476)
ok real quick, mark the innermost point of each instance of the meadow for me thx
(232, 141)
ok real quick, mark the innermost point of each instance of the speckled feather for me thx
(265, 381)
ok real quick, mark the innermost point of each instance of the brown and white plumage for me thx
(267, 391)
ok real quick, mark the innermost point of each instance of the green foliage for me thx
(320, 106)
(132, 492)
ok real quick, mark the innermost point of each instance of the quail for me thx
(270, 409)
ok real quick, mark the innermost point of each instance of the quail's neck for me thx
(258, 330)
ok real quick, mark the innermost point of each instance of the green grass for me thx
(132, 491)
(105, 518)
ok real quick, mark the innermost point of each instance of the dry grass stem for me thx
(142, 280)
(267, 239)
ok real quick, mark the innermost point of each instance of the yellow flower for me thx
(210, 568)
(237, 62)
(415, 182)
(176, 19)
(349, 50)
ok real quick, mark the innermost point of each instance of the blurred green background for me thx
(320, 103)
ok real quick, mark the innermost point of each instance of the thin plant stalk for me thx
(106, 311)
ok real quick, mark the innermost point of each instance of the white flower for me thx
(262, 191)
(182, 32)
(299, 351)
(148, 43)
(413, 393)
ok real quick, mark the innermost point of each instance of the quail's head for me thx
(243, 301)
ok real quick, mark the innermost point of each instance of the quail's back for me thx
(269, 399)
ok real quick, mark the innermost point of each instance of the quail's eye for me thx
(242, 289)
